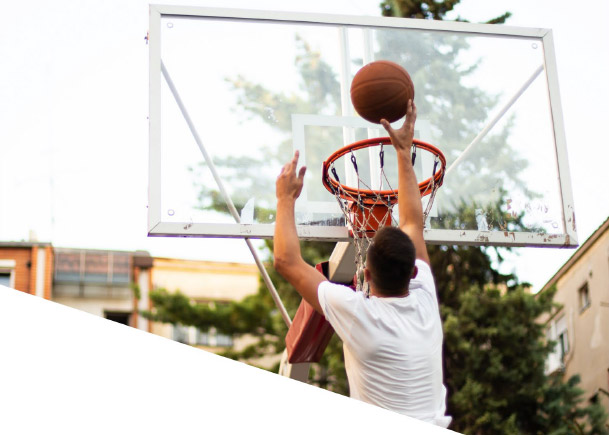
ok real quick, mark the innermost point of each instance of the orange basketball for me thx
(380, 90)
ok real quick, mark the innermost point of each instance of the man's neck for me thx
(379, 294)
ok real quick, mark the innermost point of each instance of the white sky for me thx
(74, 132)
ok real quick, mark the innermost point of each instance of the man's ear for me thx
(366, 274)
(415, 271)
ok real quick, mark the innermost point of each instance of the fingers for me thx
(289, 182)
(411, 116)
(294, 162)
(386, 125)
(301, 173)
(290, 167)
(411, 111)
(295, 158)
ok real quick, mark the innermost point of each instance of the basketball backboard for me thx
(234, 92)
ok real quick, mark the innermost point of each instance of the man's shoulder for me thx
(424, 272)
(342, 307)
(333, 290)
(333, 294)
(424, 279)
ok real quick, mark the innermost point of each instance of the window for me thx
(214, 338)
(584, 297)
(558, 332)
(7, 273)
(103, 267)
(180, 334)
(224, 340)
(121, 266)
(203, 338)
(118, 317)
(67, 266)
(191, 335)
(562, 337)
(5, 279)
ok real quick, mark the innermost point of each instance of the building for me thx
(116, 284)
(102, 282)
(581, 326)
(203, 282)
(27, 266)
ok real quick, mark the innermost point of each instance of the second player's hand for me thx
(402, 137)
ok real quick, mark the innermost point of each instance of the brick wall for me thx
(26, 259)
(48, 279)
(23, 266)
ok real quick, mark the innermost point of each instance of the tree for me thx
(428, 9)
(494, 368)
(494, 347)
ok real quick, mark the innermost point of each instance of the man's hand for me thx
(402, 137)
(289, 184)
(409, 197)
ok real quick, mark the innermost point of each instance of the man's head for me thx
(390, 261)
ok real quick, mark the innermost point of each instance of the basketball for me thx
(380, 90)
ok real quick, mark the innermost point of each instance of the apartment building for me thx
(581, 326)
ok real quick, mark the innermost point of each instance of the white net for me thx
(367, 209)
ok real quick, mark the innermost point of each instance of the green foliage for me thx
(251, 315)
(425, 9)
(428, 9)
(494, 353)
(563, 411)
(494, 358)
(135, 289)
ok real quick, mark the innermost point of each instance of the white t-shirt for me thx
(393, 346)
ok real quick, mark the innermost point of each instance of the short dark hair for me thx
(390, 261)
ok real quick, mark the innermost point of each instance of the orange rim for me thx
(371, 196)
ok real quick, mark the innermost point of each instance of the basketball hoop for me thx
(367, 209)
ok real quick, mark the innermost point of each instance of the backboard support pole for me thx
(299, 372)
(225, 196)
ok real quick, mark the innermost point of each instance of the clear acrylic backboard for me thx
(234, 92)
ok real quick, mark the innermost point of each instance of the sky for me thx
(74, 128)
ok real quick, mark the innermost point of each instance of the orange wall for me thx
(48, 269)
(25, 277)
(22, 272)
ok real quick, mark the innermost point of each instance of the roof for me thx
(23, 244)
(97, 250)
(581, 251)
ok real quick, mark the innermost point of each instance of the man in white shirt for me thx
(393, 338)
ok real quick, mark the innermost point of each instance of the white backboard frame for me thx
(158, 227)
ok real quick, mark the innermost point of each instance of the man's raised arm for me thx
(409, 197)
(288, 260)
